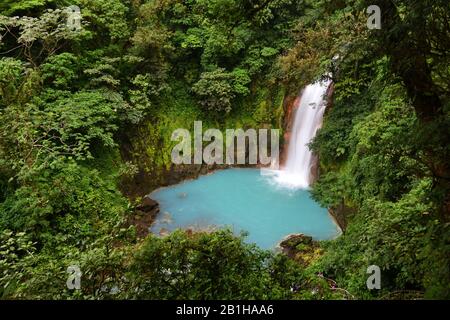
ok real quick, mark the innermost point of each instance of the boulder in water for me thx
(147, 205)
(301, 248)
(144, 215)
(293, 240)
(182, 195)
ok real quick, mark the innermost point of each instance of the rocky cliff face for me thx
(290, 105)
(148, 146)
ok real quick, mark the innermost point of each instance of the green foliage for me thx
(220, 47)
(38, 37)
(44, 275)
(73, 102)
(215, 90)
(76, 202)
(9, 7)
(398, 237)
(60, 71)
(209, 266)
(15, 250)
(218, 88)
(109, 15)
(17, 83)
(374, 159)
(381, 173)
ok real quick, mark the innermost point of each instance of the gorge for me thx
(269, 204)
(90, 99)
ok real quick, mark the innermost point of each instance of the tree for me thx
(209, 266)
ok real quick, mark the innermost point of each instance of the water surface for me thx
(242, 199)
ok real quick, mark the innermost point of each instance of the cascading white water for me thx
(296, 172)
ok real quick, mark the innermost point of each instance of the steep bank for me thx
(148, 146)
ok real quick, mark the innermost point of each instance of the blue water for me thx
(242, 199)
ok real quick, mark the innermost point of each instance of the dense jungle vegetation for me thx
(84, 113)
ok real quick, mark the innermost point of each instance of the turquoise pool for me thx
(242, 199)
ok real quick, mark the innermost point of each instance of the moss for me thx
(151, 144)
(301, 247)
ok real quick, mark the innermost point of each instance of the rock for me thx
(182, 195)
(340, 214)
(147, 205)
(166, 218)
(163, 232)
(294, 240)
(301, 248)
(144, 216)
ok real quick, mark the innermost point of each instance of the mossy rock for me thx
(302, 247)
(295, 240)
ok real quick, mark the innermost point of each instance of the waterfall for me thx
(296, 172)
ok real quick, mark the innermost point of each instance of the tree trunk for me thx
(400, 42)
